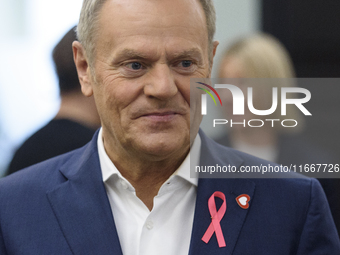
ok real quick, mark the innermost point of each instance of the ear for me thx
(83, 68)
(215, 44)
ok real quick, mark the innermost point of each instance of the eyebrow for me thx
(133, 54)
(130, 54)
(191, 53)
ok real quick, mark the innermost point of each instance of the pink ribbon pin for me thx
(215, 219)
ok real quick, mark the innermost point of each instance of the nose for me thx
(161, 83)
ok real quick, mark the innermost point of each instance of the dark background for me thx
(310, 30)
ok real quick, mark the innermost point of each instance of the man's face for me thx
(146, 53)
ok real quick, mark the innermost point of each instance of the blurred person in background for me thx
(75, 122)
(263, 56)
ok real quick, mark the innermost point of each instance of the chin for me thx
(163, 145)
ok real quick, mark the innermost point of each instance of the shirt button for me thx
(149, 225)
(124, 184)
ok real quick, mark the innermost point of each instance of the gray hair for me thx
(89, 15)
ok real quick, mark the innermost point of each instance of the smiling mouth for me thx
(161, 117)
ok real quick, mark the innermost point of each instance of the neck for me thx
(146, 175)
(76, 107)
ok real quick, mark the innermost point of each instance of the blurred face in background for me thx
(233, 67)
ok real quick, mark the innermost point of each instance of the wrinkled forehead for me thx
(158, 8)
(159, 18)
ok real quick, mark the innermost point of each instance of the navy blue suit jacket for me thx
(61, 207)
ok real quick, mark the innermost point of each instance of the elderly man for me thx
(129, 190)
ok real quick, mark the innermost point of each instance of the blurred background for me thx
(29, 29)
(29, 95)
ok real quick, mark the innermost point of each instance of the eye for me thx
(134, 66)
(186, 66)
(186, 63)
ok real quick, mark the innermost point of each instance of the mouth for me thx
(161, 116)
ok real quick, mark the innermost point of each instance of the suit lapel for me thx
(84, 214)
(234, 217)
(82, 208)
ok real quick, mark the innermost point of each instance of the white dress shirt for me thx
(167, 228)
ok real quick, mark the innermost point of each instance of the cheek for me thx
(107, 99)
(113, 109)
(183, 85)
(103, 103)
(116, 92)
(115, 102)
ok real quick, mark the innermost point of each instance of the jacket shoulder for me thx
(39, 176)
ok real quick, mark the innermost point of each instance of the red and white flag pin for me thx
(243, 201)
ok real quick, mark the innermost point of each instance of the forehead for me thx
(160, 21)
